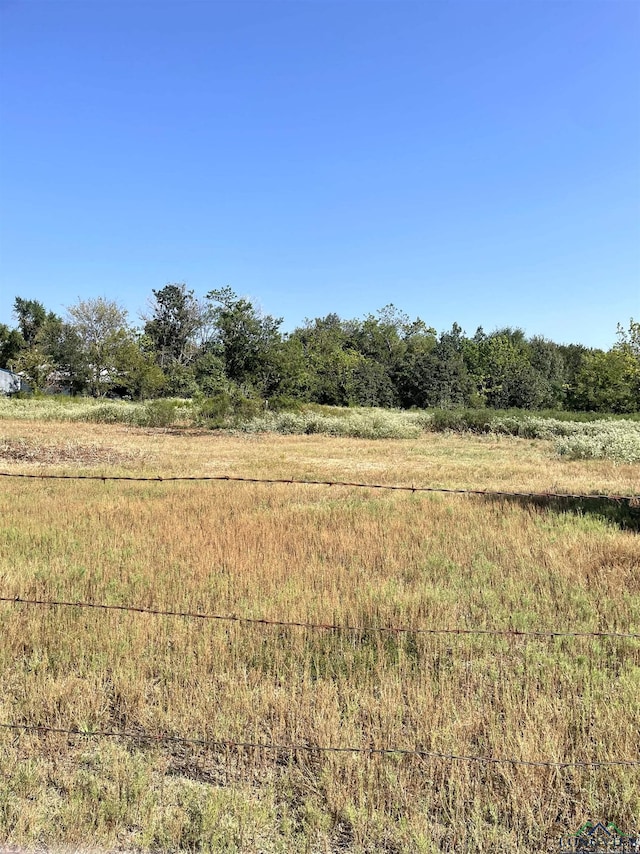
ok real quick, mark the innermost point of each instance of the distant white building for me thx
(11, 383)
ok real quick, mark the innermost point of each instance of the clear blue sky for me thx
(476, 162)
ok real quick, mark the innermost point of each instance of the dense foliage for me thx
(224, 349)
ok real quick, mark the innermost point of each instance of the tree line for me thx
(224, 348)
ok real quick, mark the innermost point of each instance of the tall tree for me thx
(629, 339)
(505, 376)
(11, 343)
(249, 342)
(436, 375)
(31, 316)
(64, 350)
(550, 374)
(629, 345)
(606, 382)
(332, 359)
(172, 326)
(103, 331)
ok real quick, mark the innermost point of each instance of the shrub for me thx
(160, 413)
(356, 423)
(474, 420)
(212, 411)
(615, 441)
(226, 409)
(108, 413)
(283, 403)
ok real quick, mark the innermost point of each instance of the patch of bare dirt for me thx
(25, 451)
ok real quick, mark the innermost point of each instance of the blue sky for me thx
(476, 162)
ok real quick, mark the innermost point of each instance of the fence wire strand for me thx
(633, 499)
(160, 738)
(329, 627)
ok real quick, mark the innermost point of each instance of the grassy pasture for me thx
(317, 554)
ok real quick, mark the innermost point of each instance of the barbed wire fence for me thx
(292, 749)
(313, 748)
(634, 500)
(328, 627)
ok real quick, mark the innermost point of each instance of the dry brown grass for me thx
(26, 450)
(318, 554)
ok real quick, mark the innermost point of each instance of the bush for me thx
(160, 413)
(108, 413)
(356, 423)
(473, 420)
(609, 440)
(283, 403)
(212, 411)
(227, 409)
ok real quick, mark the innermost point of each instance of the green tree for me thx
(103, 332)
(390, 341)
(573, 357)
(629, 339)
(333, 362)
(550, 373)
(35, 366)
(32, 317)
(208, 372)
(629, 345)
(608, 382)
(436, 375)
(63, 350)
(34, 360)
(248, 341)
(138, 375)
(11, 343)
(383, 337)
(504, 373)
(173, 324)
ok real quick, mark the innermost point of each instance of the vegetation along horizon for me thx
(222, 347)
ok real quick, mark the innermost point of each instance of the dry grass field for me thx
(316, 554)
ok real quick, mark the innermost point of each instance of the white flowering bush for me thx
(613, 440)
(535, 427)
(617, 440)
(357, 423)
